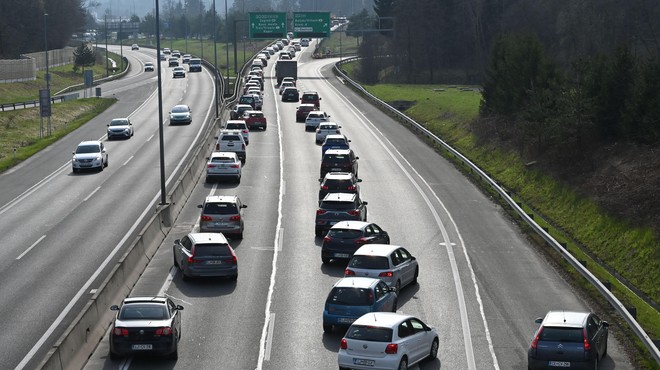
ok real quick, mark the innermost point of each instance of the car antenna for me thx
(564, 313)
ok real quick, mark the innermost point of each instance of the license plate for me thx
(85, 165)
(214, 262)
(342, 255)
(142, 347)
(363, 362)
(346, 320)
(559, 363)
(333, 222)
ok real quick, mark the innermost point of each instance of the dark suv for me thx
(337, 207)
(566, 339)
(345, 237)
(338, 182)
(339, 160)
(303, 110)
(311, 97)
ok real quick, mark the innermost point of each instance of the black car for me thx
(339, 160)
(337, 207)
(338, 182)
(566, 339)
(345, 237)
(146, 325)
(238, 110)
(290, 94)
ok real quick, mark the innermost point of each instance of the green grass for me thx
(19, 129)
(633, 252)
(339, 42)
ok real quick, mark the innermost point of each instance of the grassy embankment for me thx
(631, 251)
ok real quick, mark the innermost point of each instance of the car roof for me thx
(340, 197)
(310, 92)
(236, 121)
(569, 319)
(356, 282)
(351, 225)
(220, 198)
(337, 151)
(382, 319)
(211, 238)
(230, 132)
(144, 299)
(338, 175)
(243, 105)
(224, 154)
(336, 136)
(181, 105)
(253, 111)
(381, 250)
(89, 142)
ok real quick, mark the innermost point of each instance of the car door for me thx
(420, 343)
(388, 297)
(379, 235)
(184, 250)
(596, 334)
(406, 265)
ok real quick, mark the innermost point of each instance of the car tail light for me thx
(343, 344)
(325, 187)
(386, 274)
(243, 146)
(245, 131)
(205, 218)
(320, 212)
(353, 212)
(361, 240)
(120, 331)
(234, 166)
(587, 344)
(536, 339)
(392, 348)
(338, 132)
(327, 239)
(163, 331)
(351, 187)
(217, 146)
(349, 272)
(192, 260)
(235, 218)
(210, 166)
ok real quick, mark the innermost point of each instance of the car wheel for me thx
(397, 286)
(327, 328)
(107, 161)
(596, 362)
(238, 179)
(234, 277)
(75, 170)
(184, 276)
(414, 280)
(605, 349)
(403, 365)
(240, 235)
(434, 349)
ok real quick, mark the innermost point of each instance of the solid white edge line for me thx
(269, 342)
(92, 193)
(271, 287)
(469, 351)
(128, 160)
(32, 246)
(105, 262)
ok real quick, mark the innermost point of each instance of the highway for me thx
(62, 232)
(481, 283)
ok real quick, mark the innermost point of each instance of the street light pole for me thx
(163, 199)
(121, 46)
(215, 57)
(227, 47)
(47, 77)
(107, 71)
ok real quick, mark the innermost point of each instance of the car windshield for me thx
(369, 262)
(135, 311)
(179, 109)
(220, 209)
(350, 296)
(344, 234)
(554, 334)
(82, 149)
(212, 250)
(338, 206)
(369, 333)
(119, 122)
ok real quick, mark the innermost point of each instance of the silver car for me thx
(180, 114)
(326, 128)
(205, 254)
(89, 155)
(222, 214)
(120, 127)
(223, 165)
(314, 118)
(239, 124)
(391, 263)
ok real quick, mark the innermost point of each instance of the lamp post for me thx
(215, 58)
(160, 114)
(227, 46)
(107, 73)
(121, 46)
(201, 28)
(47, 77)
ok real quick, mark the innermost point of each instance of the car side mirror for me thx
(365, 203)
(538, 320)
(73, 153)
(349, 141)
(320, 180)
(108, 125)
(359, 180)
(605, 324)
(199, 206)
(357, 157)
(338, 126)
(114, 307)
(320, 98)
(179, 307)
(243, 205)
(178, 241)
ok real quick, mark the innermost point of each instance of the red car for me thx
(254, 119)
(303, 110)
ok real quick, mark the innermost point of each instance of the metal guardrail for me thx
(613, 300)
(28, 104)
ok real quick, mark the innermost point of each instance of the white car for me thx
(89, 155)
(120, 127)
(286, 84)
(325, 129)
(239, 124)
(223, 165)
(314, 118)
(391, 263)
(387, 340)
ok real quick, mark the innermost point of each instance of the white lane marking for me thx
(105, 262)
(280, 241)
(469, 350)
(266, 333)
(91, 194)
(168, 281)
(151, 137)
(93, 291)
(126, 363)
(32, 189)
(269, 343)
(128, 160)
(32, 246)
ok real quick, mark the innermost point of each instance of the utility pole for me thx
(107, 73)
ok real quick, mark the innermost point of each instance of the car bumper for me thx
(87, 166)
(380, 363)
(175, 121)
(208, 227)
(118, 134)
(256, 125)
(159, 347)
(193, 271)
(338, 320)
(545, 364)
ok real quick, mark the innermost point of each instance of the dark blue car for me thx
(335, 141)
(353, 297)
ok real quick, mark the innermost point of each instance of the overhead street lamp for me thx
(215, 58)
(227, 46)
(47, 77)
(163, 200)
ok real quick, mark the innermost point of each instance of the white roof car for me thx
(239, 124)
(231, 141)
(387, 340)
(391, 263)
(326, 128)
(223, 165)
(314, 118)
(90, 155)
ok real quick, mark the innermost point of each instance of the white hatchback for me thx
(223, 165)
(325, 129)
(314, 118)
(392, 264)
(387, 340)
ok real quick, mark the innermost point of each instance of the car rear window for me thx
(136, 311)
(212, 250)
(309, 97)
(369, 262)
(222, 160)
(334, 184)
(337, 206)
(554, 334)
(328, 127)
(350, 297)
(344, 234)
(335, 157)
(335, 141)
(369, 333)
(236, 126)
(220, 209)
(231, 138)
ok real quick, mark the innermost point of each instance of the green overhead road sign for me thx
(316, 24)
(267, 25)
